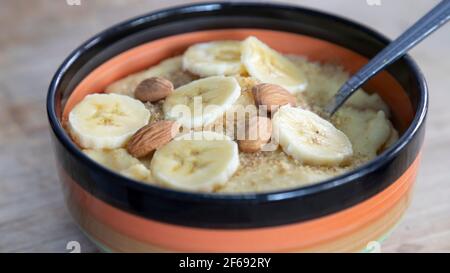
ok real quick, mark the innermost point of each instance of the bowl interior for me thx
(151, 53)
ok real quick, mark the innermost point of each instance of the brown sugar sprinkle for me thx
(156, 111)
(181, 77)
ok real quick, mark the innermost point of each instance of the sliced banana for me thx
(169, 69)
(121, 161)
(106, 121)
(393, 137)
(309, 138)
(116, 159)
(202, 101)
(368, 130)
(363, 100)
(196, 161)
(214, 58)
(269, 66)
(324, 80)
(137, 171)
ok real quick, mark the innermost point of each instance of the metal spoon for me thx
(430, 22)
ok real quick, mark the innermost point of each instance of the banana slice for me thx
(116, 159)
(393, 137)
(324, 80)
(169, 69)
(214, 58)
(368, 129)
(363, 100)
(196, 161)
(309, 138)
(121, 161)
(106, 121)
(202, 101)
(269, 66)
(137, 172)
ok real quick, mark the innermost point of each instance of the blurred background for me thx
(37, 35)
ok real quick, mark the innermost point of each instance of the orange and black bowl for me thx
(342, 214)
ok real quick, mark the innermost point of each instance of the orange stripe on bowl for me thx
(299, 236)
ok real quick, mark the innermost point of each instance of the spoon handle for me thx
(430, 22)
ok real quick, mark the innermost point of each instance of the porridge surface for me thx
(269, 171)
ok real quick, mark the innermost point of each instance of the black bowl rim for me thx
(337, 181)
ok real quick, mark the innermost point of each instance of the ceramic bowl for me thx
(342, 214)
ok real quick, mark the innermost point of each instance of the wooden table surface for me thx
(37, 35)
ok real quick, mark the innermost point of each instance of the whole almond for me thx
(153, 89)
(257, 133)
(151, 137)
(272, 96)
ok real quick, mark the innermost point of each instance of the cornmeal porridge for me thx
(231, 117)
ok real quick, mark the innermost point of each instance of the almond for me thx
(153, 89)
(257, 134)
(272, 96)
(151, 137)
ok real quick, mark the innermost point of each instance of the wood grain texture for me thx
(36, 37)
